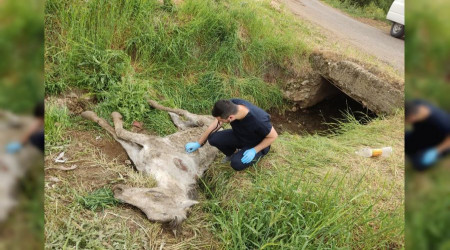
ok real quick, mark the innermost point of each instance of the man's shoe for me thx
(226, 159)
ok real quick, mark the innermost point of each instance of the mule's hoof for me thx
(116, 115)
(118, 189)
(88, 115)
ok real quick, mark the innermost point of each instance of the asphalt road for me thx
(365, 37)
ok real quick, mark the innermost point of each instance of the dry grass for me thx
(100, 165)
(314, 159)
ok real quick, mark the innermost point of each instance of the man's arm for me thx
(214, 125)
(31, 130)
(270, 138)
(444, 146)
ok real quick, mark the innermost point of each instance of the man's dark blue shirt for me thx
(434, 129)
(254, 127)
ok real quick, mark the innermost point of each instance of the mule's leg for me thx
(182, 125)
(156, 105)
(193, 119)
(123, 134)
(131, 148)
(100, 121)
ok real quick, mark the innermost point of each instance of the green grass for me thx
(314, 192)
(198, 97)
(427, 217)
(21, 47)
(94, 233)
(372, 10)
(427, 73)
(93, 45)
(57, 121)
(187, 57)
(431, 88)
(306, 192)
(100, 198)
(427, 63)
(310, 191)
(129, 97)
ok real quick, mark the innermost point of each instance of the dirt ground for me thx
(93, 175)
(319, 118)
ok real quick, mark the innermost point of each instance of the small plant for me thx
(101, 198)
(97, 69)
(127, 97)
(56, 122)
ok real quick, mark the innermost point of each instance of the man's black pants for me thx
(227, 142)
(38, 140)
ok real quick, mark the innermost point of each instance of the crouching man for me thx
(429, 139)
(249, 139)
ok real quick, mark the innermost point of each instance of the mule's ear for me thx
(178, 121)
(188, 203)
(184, 122)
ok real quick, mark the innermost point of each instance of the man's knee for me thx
(213, 139)
(38, 140)
(237, 164)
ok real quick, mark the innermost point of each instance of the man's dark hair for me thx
(39, 110)
(223, 109)
(410, 108)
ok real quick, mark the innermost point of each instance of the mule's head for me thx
(158, 204)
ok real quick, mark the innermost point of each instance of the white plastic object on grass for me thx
(60, 158)
(369, 152)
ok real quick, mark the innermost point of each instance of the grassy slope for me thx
(311, 191)
(427, 217)
(188, 56)
(21, 76)
(21, 86)
(428, 76)
(427, 60)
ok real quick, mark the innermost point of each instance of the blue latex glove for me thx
(249, 154)
(192, 146)
(430, 156)
(13, 147)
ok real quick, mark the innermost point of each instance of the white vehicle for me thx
(396, 14)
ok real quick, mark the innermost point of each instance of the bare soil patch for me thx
(320, 117)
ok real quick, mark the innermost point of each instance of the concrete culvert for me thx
(333, 75)
(373, 90)
(320, 117)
